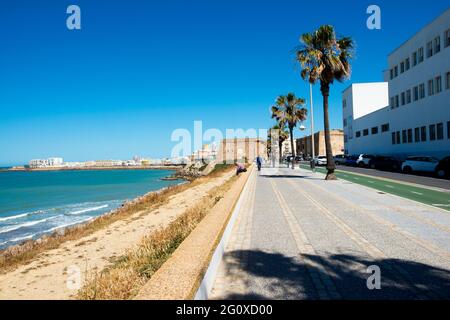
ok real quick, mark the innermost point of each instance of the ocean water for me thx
(36, 203)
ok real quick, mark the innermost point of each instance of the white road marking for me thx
(441, 205)
(389, 186)
(418, 193)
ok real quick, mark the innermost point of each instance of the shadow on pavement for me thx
(275, 276)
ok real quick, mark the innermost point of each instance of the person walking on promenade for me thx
(259, 162)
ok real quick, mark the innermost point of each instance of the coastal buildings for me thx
(408, 114)
(304, 145)
(241, 149)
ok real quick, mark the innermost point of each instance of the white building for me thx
(409, 114)
(55, 162)
(38, 163)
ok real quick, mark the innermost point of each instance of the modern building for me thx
(408, 114)
(241, 149)
(50, 162)
(304, 145)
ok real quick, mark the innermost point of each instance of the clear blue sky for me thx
(140, 69)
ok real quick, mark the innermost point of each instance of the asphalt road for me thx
(432, 197)
(410, 178)
(300, 237)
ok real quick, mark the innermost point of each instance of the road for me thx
(401, 177)
(434, 197)
(300, 237)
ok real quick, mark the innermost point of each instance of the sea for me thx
(36, 203)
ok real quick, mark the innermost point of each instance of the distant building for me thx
(55, 162)
(50, 162)
(286, 148)
(409, 114)
(38, 163)
(244, 149)
(304, 145)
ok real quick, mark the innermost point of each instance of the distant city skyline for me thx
(138, 70)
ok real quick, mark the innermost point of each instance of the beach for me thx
(36, 203)
(46, 276)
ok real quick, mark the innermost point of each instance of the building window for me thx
(440, 131)
(410, 136)
(430, 87)
(448, 129)
(414, 58)
(420, 54)
(404, 138)
(396, 71)
(397, 103)
(438, 84)
(447, 38)
(432, 132)
(429, 49)
(358, 134)
(345, 122)
(393, 137)
(385, 127)
(447, 81)
(416, 93)
(402, 67)
(344, 103)
(392, 102)
(398, 137)
(423, 134)
(403, 98)
(408, 96)
(422, 91)
(407, 64)
(417, 135)
(392, 74)
(375, 130)
(437, 45)
(365, 132)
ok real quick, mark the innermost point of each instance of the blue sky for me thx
(140, 69)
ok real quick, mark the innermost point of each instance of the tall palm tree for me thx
(282, 133)
(287, 111)
(325, 58)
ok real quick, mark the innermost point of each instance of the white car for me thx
(419, 164)
(364, 159)
(320, 161)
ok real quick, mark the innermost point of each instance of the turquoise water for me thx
(36, 203)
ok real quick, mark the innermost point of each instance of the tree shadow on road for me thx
(279, 277)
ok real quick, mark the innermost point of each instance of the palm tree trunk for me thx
(325, 89)
(280, 147)
(291, 132)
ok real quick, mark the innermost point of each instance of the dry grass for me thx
(124, 278)
(22, 254)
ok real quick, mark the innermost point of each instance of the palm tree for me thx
(287, 111)
(283, 135)
(325, 58)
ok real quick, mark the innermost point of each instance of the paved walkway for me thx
(300, 237)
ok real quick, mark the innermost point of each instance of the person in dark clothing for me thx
(259, 162)
(240, 168)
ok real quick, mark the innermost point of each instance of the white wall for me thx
(432, 109)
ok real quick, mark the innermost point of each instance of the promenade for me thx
(300, 237)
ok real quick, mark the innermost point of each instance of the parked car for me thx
(320, 161)
(340, 159)
(443, 168)
(351, 161)
(363, 160)
(385, 163)
(419, 164)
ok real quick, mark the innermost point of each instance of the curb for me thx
(207, 282)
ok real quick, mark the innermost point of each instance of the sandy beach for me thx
(47, 276)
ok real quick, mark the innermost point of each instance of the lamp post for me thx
(313, 165)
